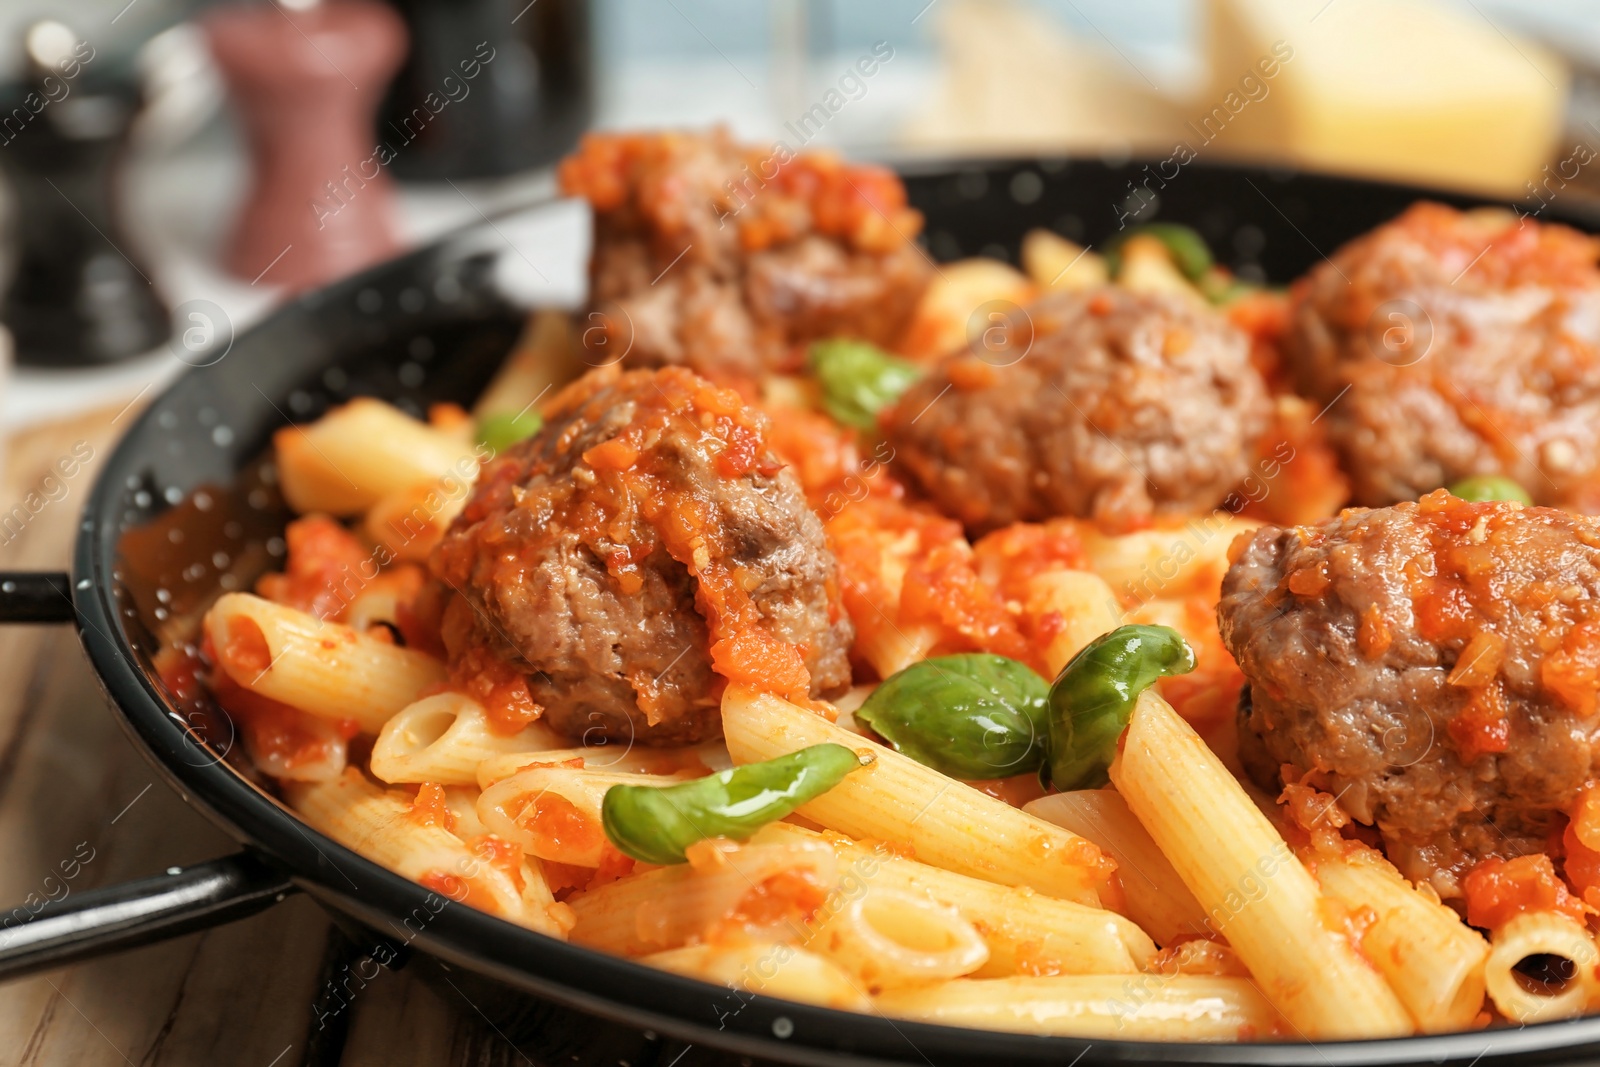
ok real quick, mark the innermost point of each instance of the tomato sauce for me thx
(558, 826)
(862, 204)
(940, 583)
(1499, 890)
(326, 569)
(429, 807)
(272, 730)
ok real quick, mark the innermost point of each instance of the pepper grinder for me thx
(79, 292)
(306, 80)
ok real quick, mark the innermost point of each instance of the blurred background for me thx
(170, 170)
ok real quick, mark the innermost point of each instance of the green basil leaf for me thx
(973, 716)
(859, 379)
(1188, 249)
(1093, 697)
(503, 430)
(1490, 487)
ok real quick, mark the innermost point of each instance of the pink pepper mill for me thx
(306, 79)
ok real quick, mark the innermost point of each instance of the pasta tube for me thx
(359, 453)
(774, 968)
(940, 820)
(888, 937)
(1434, 962)
(554, 812)
(1166, 561)
(1144, 1007)
(1082, 601)
(387, 829)
(1254, 890)
(1542, 933)
(412, 520)
(668, 906)
(1026, 932)
(443, 738)
(320, 667)
(622, 759)
(1157, 898)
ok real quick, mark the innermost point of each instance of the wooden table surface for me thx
(76, 797)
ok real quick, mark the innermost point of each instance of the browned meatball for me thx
(1451, 344)
(730, 259)
(639, 551)
(1126, 405)
(1433, 664)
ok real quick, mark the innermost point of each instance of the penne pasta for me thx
(885, 938)
(323, 668)
(1255, 892)
(777, 969)
(1142, 1007)
(379, 600)
(1168, 560)
(1026, 932)
(1082, 601)
(545, 357)
(669, 906)
(622, 759)
(882, 639)
(462, 595)
(1542, 933)
(412, 520)
(320, 761)
(893, 647)
(1156, 897)
(554, 812)
(900, 801)
(387, 829)
(443, 738)
(463, 804)
(1053, 262)
(362, 452)
(1434, 962)
(962, 291)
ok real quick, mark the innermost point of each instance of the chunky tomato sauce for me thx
(881, 543)
(862, 204)
(430, 808)
(326, 568)
(1499, 890)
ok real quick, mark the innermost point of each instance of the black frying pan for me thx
(433, 326)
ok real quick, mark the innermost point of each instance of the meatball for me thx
(1126, 405)
(1433, 664)
(730, 259)
(1450, 344)
(641, 549)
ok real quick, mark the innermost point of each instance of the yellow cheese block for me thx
(1400, 89)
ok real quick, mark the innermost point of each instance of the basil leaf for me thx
(503, 430)
(973, 716)
(1490, 487)
(1093, 697)
(1188, 249)
(656, 824)
(859, 379)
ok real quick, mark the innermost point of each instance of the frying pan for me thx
(432, 326)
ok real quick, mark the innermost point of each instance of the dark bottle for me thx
(491, 87)
(78, 294)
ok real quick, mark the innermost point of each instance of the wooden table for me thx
(74, 791)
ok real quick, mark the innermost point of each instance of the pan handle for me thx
(81, 926)
(36, 596)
